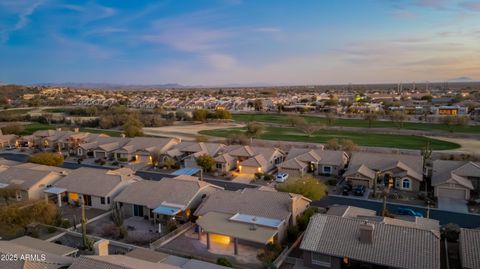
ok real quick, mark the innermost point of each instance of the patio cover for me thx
(186, 171)
(167, 210)
(219, 223)
(55, 190)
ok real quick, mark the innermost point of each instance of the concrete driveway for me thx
(454, 205)
(243, 178)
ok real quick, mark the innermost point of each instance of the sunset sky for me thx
(238, 41)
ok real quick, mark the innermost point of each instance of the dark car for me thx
(408, 212)
(346, 188)
(359, 190)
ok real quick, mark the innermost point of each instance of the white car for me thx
(281, 177)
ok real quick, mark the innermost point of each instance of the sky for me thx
(220, 42)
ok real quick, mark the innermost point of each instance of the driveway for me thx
(454, 205)
(243, 178)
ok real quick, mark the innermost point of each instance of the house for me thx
(405, 170)
(106, 149)
(455, 179)
(42, 245)
(190, 151)
(469, 248)
(251, 160)
(28, 257)
(336, 242)
(300, 161)
(225, 163)
(97, 187)
(164, 199)
(29, 183)
(141, 148)
(250, 216)
(8, 141)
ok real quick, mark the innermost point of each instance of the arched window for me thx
(406, 183)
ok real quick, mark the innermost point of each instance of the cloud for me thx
(436, 4)
(267, 30)
(470, 5)
(403, 14)
(221, 61)
(23, 14)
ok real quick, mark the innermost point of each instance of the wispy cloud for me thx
(23, 20)
(267, 30)
(403, 14)
(471, 5)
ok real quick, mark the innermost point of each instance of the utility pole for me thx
(426, 155)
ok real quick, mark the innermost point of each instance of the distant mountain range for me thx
(461, 79)
(110, 85)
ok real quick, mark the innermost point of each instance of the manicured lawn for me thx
(283, 119)
(55, 110)
(360, 138)
(33, 127)
(19, 111)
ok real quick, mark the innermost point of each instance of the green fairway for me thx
(33, 127)
(19, 111)
(283, 119)
(360, 138)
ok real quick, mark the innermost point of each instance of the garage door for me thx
(451, 193)
(249, 170)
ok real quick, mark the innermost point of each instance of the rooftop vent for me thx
(366, 232)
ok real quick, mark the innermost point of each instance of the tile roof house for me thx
(190, 151)
(251, 160)
(51, 260)
(97, 187)
(333, 241)
(29, 183)
(300, 161)
(9, 140)
(46, 246)
(469, 248)
(165, 198)
(406, 170)
(251, 215)
(142, 148)
(455, 179)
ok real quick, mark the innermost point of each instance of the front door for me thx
(87, 199)
(138, 210)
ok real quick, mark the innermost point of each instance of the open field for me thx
(186, 132)
(283, 119)
(360, 138)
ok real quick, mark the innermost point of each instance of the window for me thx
(320, 259)
(406, 183)
(108, 200)
(102, 200)
(219, 165)
(327, 169)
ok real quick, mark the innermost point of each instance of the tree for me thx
(310, 128)
(169, 163)
(17, 217)
(295, 120)
(223, 114)
(333, 144)
(237, 139)
(106, 122)
(258, 105)
(398, 118)
(200, 115)
(47, 158)
(180, 115)
(254, 129)
(454, 121)
(15, 129)
(133, 126)
(348, 145)
(307, 186)
(370, 118)
(8, 193)
(427, 98)
(330, 117)
(206, 162)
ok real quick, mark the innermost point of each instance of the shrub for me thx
(332, 182)
(304, 218)
(307, 186)
(269, 253)
(115, 163)
(450, 232)
(65, 223)
(110, 231)
(292, 233)
(171, 226)
(47, 158)
(123, 160)
(224, 262)
(51, 230)
(267, 177)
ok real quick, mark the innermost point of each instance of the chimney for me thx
(366, 232)
(101, 247)
(76, 130)
(123, 135)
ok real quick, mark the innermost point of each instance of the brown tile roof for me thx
(394, 246)
(470, 248)
(248, 201)
(169, 190)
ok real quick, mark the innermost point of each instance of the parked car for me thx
(346, 188)
(281, 177)
(359, 190)
(408, 212)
